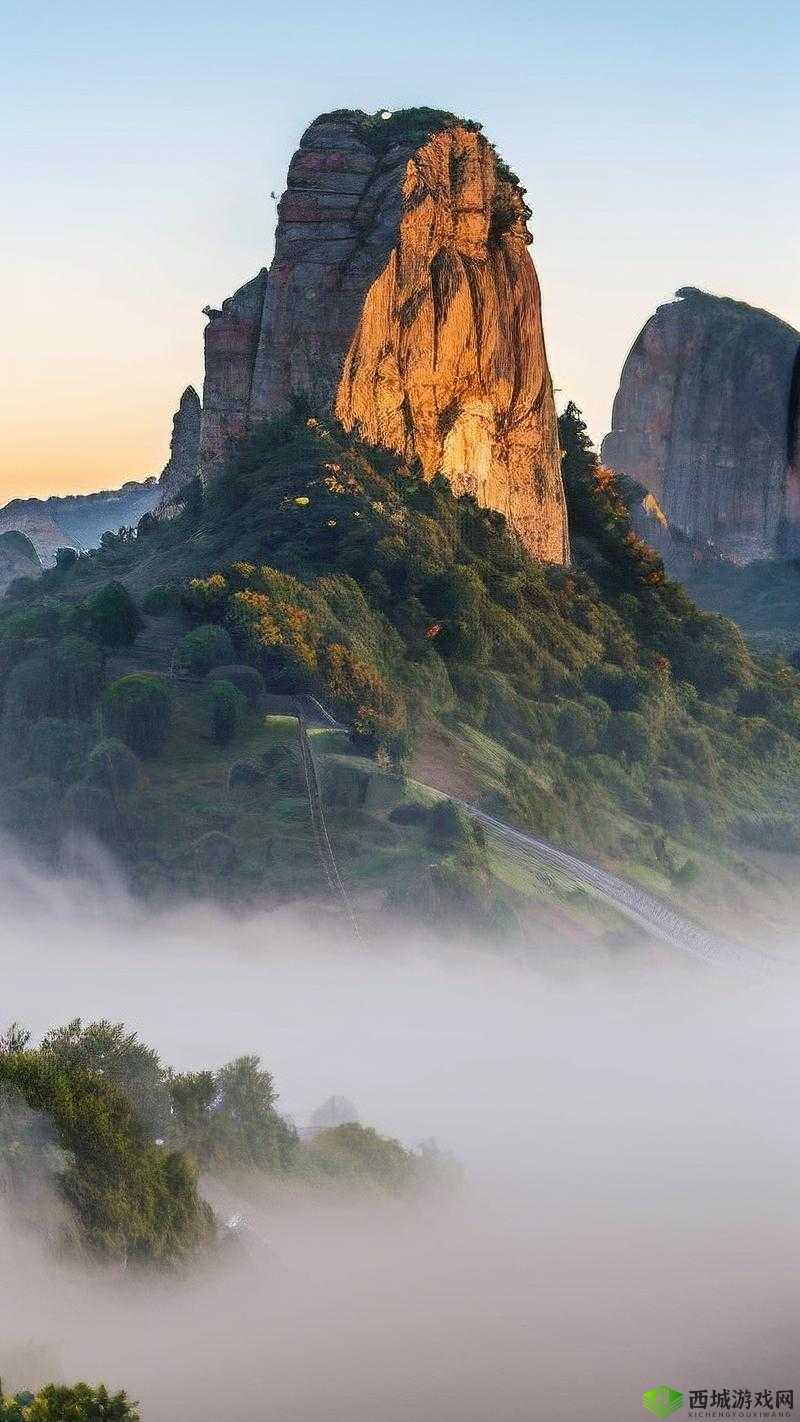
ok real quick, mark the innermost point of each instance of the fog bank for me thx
(629, 1132)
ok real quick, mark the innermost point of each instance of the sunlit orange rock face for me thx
(402, 297)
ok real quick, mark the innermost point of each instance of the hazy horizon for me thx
(141, 148)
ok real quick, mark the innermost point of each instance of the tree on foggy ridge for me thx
(119, 1055)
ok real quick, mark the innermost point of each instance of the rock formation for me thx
(706, 418)
(401, 298)
(78, 520)
(18, 559)
(184, 449)
(682, 556)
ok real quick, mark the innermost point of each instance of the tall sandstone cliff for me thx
(401, 298)
(706, 416)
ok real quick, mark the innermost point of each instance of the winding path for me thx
(628, 899)
(635, 903)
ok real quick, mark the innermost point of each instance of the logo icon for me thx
(662, 1401)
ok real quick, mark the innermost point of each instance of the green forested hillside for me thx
(595, 703)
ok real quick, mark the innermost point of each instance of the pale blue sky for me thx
(658, 143)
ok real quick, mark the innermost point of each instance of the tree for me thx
(163, 598)
(119, 1056)
(669, 805)
(138, 710)
(246, 679)
(205, 647)
(226, 708)
(628, 735)
(449, 827)
(60, 1403)
(113, 617)
(197, 1125)
(576, 729)
(29, 690)
(129, 1197)
(78, 676)
(621, 688)
(65, 558)
(15, 1038)
(193, 1094)
(247, 1097)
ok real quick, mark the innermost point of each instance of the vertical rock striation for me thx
(402, 298)
(706, 417)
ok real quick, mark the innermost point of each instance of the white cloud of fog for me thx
(630, 1133)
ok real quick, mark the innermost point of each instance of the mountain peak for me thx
(402, 297)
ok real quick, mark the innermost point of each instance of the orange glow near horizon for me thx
(96, 364)
(70, 456)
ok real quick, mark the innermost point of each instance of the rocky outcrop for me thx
(184, 449)
(78, 520)
(706, 418)
(18, 559)
(231, 346)
(681, 555)
(402, 298)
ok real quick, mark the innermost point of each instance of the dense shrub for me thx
(357, 1155)
(449, 827)
(137, 709)
(78, 676)
(113, 767)
(246, 679)
(623, 690)
(690, 751)
(205, 647)
(669, 805)
(21, 589)
(628, 735)
(577, 733)
(339, 570)
(113, 617)
(344, 786)
(29, 808)
(226, 708)
(163, 598)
